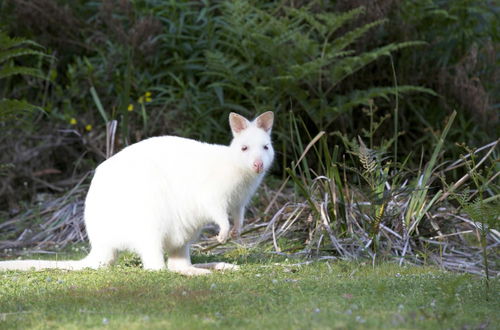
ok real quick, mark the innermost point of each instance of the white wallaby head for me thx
(252, 141)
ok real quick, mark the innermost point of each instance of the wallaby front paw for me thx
(235, 232)
(222, 237)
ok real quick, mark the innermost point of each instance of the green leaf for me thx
(10, 108)
(364, 97)
(7, 42)
(16, 52)
(351, 37)
(7, 71)
(349, 65)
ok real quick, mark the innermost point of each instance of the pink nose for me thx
(258, 166)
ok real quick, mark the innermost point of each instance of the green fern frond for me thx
(482, 213)
(349, 65)
(301, 16)
(224, 66)
(334, 21)
(6, 54)
(7, 71)
(11, 48)
(353, 36)
(230, 72)
(7, 42)
(10, 108)
(311, 68)
(364, 97)
(324, 23)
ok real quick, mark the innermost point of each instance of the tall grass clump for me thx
(383, 209)
(480, 199)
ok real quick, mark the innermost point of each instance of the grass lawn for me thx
(269, 292)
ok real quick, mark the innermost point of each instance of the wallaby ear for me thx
(238, 123)
(265, 121)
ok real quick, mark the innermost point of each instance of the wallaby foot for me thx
(179, 261)
(152, 257)
(99, 257)
(218, 266)
(190, 271)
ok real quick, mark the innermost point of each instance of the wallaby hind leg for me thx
(179, 261)
(98, 257)
(152, 256)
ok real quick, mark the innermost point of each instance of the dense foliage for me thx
(381, 79)
(323, 62)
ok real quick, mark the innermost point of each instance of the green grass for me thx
(268, 292)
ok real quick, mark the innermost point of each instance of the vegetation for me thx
(10, 49)
(386, 135)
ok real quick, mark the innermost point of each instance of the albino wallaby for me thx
(156, 196)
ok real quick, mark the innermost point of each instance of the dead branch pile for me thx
(293, 229)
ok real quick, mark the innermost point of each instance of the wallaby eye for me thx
(266, 147)
(244, 148)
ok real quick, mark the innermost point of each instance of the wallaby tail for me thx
(95, 259)
(43, 264)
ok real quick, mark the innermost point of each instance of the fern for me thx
(11, 70)
(10, 108)
(289, 58)
(349, 65)
(7, 42)
(10, 50)
(485, 212)
(364, 97)
(6, 54)
(485, 216)
(376, 174)
(351, 37)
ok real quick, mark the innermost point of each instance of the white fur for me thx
(155, 196)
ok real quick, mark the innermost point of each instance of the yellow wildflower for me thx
(147, 94)
(130, 107)
(88, 128)
(148, 99)
(141, 99)
(72, 121)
